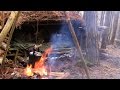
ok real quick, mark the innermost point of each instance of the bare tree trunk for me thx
(115, 26)
(100, 30)
(102, 18)
(111, 27)
(92, 52)
(105, 34)
(117, 39)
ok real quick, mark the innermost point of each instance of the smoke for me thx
(63, 38)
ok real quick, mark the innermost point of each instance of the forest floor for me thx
(109, 67)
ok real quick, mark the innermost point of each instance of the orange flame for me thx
(39, 65)
(28, 70)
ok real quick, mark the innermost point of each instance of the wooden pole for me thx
(10, 35)
(3, 21)
(8, 25)
(37, 32)
(76, 43)
(15, 61)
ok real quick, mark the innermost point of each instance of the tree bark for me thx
(102, 18)
(92, 50)
(8, 25)
(11, 33)
(105, 34)
(115, 26)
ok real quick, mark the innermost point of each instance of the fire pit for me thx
(40, 71)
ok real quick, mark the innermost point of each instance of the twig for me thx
(7, 71)
(37, 32)
(16, 56)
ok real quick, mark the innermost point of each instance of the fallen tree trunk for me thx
(8, 25)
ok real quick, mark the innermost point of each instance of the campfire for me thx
(47, 32)
(40, 70)
(39, 67)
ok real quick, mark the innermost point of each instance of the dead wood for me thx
(1, 52)
(21, 59)
(1, 58)
(16, 56)
(3, 46)
(56, 73)
(12, 27)
(8, 25)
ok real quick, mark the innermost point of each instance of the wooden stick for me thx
(8, 25)
(57, 74)
(21, 59)
(37, 32)
(1, 52)
(3, 46)
(76, 43)
(11, 33)
(1, 59)
(62, 76)
(3, 21)
(9, 55)
(63, 49)
(16, 56)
